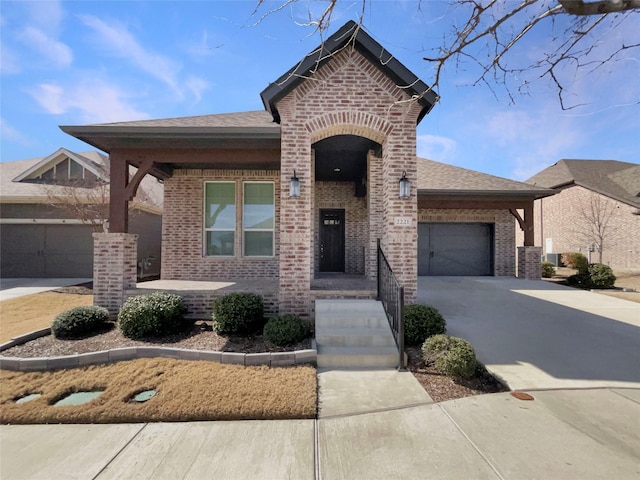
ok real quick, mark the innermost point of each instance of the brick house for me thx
(50, 206)
(593, 195)
(301, 192)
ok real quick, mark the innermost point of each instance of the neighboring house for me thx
(51, 206)
(304, 189)
(596, 211)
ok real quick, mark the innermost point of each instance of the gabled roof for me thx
(95, 167)
(440, 178)
(617, 180)
(350, 33)
(12, 190)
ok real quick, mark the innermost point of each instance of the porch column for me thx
(529, 266)
(114, 268)
(296, 266)
(118, 200)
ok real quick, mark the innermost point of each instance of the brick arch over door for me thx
(349, 123)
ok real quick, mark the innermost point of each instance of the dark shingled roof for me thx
(436, 177)
(350, 33)
(614, 179)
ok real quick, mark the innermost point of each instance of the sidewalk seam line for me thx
(624, 396)
(477, 449)
(316, 448)
(119, 452)
(380, 410)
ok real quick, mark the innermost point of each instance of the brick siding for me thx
(504, 233)
(529, 263)
(565, 218)
(114, 268)
(183, 255)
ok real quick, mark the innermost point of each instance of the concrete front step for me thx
(354, 334)
(357, 357)
(357, 337)
(342, 306)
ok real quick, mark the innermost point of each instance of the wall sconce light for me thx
(294, 186)
(405, 186)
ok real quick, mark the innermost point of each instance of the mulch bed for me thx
(441, 388)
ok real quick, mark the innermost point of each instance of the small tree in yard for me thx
(596, 226)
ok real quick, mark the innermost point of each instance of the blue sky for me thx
(82, 62)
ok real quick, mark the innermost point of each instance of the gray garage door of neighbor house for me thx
(455, 249)
(46, 251)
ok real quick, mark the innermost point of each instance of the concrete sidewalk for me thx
(569, 434)
(19, 287)
(538, 335)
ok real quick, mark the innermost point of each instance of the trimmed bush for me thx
(155, 315)
(581, 280)
(238, 313)
(79, 322)
(286, 330)
(548, 270)
(575, 260)
(601, 275)
(421, 322)
(452, 356)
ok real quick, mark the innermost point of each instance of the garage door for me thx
(455, 249)
(46, 251)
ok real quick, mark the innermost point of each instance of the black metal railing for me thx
(391, 294)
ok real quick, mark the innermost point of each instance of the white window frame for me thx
(206, 229)
(272, 230)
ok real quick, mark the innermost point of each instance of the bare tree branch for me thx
(499, 27)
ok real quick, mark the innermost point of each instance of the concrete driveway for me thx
(535, 334)
(19, 287)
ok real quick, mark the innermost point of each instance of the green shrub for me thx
(421, 322)
(575, 260)
(286, 330)
(548, 270)
(79, 321)
(452, 356)
(601, 275)
(238, 313)
(154, 315)
(582, 280)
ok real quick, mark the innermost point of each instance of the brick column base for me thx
(114, 268)
(529, 266)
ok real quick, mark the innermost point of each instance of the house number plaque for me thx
(403, 221)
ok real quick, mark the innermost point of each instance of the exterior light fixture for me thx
(294, 186)
(405, 186)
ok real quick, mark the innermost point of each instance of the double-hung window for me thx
(220, 218)
(258, 222)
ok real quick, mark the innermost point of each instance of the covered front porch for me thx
(199, 295)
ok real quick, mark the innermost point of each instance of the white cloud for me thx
(197, 86)
(121, 43)
(47, 14)
(9, 133)
(438, 148)
(9, 60)
(94, 100)
(51, 50)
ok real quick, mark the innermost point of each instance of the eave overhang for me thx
(113, 137)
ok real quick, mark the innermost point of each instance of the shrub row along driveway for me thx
(534, 334)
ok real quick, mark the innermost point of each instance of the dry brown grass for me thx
(187, 391)
(34, 312)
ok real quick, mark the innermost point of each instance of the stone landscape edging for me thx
(272, 359)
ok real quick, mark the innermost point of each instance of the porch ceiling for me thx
(342, 158)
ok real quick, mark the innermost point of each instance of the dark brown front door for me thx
(332, 240)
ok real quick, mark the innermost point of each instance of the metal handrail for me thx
(391, 294)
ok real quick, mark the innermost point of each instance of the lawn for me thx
(33, 312)
(186, 391)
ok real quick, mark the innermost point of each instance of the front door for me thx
(332, 241)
